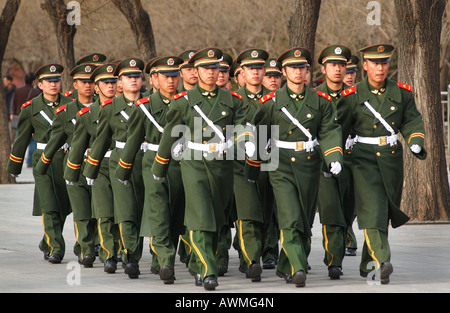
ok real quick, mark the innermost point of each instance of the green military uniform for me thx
(128, 199)
(149, 71)
(102, 197)
(254, 202)
(163, 213)
(207, 173)
(50, 195)
(378, 158)
(185, 56)
(79, 192)
(295, 180)
(336, 200)
(351, 244)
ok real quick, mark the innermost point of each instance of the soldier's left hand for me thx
(416, 149)
(250, 149)
(124, 182)
(90, 181)
(335, 168)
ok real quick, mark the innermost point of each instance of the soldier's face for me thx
(253, 76)
(272, 82)
(239, 79)
(85, 89)
(107, 89)
(189, 75)
(50, 88)
(295, 75)
(334, 72)
(207, 77)
(168, 84)
(223, 79)
(350, 79)
(376, 72)
(131, 84)
(154, 81)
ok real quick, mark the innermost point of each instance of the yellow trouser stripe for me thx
(198, 252)
(76, 237)
(282, 247)
(326, 243)
(187, 243)
(101, 238)
(243, 244)
(372, 253)
(121, 236)
(46, 235)
(151, 245)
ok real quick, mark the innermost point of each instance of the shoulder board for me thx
(268, 97)
(107, 102)
(179, 95)
(143, 100)
(60, 109)
(69, 93)
(404, 86)
(324, 95)
(236, 94)
(26, 104)
(349, 91)
(84, 110)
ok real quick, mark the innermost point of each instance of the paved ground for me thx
(420, 256)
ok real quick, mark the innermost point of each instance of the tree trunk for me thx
(57, 11)
(141, 26)
(426, 194)
(6, 21)
(302, 25)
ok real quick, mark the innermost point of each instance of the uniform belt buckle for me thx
(299, 146)
(212, 148)
(383, 141)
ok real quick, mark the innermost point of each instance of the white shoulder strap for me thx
(297, 123)
(46, 117)
(380, 118)
(210, 123)
(151, 118)
(125, 115)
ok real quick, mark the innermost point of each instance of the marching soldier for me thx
(187, 71)
(351, 245)
(50, 196)
(336, 200)
(224, 71)
(83, 137)
(254, 202)
(381, 108)
(272, 78)
(207, 173)
(95, 59)
(304, 118)
(153, 84)
(128, 198)
(79, 192)
(236, 74)
(163, 214)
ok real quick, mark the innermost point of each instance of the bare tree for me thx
(140, 24)
(6, 20)
(65, 33)
(426, 189)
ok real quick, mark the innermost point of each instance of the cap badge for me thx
(273, 63)
(210, 53)
(380, 49)
(170, 62)
(52, 68)
(88, 69)
(254, 54)
(297, 53)
(132, 63)
(338, 50)
(95, 58)
(191, 54)
(109, 69)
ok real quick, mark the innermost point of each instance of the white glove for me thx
(335, 168)
(251, 181)
(124, 182)
(156, 177)
(14, 175)
(69, 183)
(250, 149)
(416, 149)
(90, 181)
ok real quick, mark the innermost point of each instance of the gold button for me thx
(224, 113)
(378, 154)
(204, 142)
(349, 152)
(308, 116)
(290, 132)
(309, 158)
(393, 123)
(224, 128)
(392, 108)
(393, 152)
(204, 128)
(374, 126)
(293, 159)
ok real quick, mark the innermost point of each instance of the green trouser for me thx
(250, 242)
(350, 239)
(108, 233)
(163, 251)
(53, 240)
(84, 225)
(271, 237)
(333, 244)
(376, 250)
(223, 245)
(184, 249)
(204, 245)
(293, 254)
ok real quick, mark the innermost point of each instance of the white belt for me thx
(149, 146)
(211, 147)
(121, 145)
(42, 146)
(297, 145)
(380, 141)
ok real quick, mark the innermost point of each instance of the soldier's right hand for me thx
(124, 182)
(156, 177)
(90, 181)
(69, 183)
